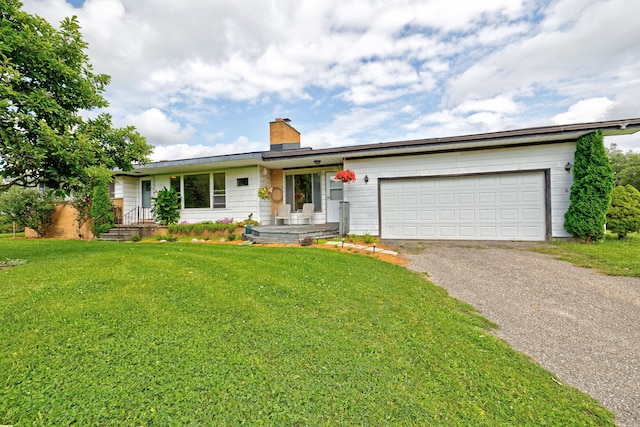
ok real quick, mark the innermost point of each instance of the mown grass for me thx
(100, 333)
(613, 256)
(10, 235)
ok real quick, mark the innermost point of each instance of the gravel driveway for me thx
(579, 324)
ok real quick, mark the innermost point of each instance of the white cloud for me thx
(160, 129)
(588, 110)
(186, 151)
(584, 49)
(365, 70)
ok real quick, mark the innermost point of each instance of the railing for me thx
(134, 216)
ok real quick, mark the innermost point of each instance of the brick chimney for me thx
(283, 136)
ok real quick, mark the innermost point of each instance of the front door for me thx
(146, 194)
(335, 194)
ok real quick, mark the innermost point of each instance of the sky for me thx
(205, 77)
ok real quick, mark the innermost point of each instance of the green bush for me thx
(591, 190)
(166, 206)
(623, 216)
(28, 208)
(101, 210)
(202, 227)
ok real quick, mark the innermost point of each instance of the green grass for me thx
(613, 256)
(10, 235)
(100, 333)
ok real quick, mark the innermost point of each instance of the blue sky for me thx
(205, 77)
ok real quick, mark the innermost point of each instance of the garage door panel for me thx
(482, 207)
(447, 215)
(467, 215)
(508, 214)
(531, 197)
(427, 199)
(508, 196)
(446, 199)
(466, 198)
(427, 215)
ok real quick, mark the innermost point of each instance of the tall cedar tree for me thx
(591, 190)
(46, 80)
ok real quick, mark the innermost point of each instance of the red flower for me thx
(345, 176)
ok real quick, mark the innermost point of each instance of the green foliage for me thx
(202, 227)
(623, 216)
(46, 82)
(190, 334)
(166, 206)
(6, 224)
(591, 189)
(101, 210)
(136, 238)
(625, 166)
(29, 208)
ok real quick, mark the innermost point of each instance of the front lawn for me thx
(100, 333)
(613, 256)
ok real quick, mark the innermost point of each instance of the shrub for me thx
(591, 190)
(200, 228)
(29, 208)
(166, 206)
(136, 238)
(368, 238)
(231, 237)
(624, 213)
(101, 210)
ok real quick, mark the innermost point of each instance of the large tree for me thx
(46, 84)
(626, 166)
(591, 190)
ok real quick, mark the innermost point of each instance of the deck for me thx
(291, 233)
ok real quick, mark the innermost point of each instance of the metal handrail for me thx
(134, 216)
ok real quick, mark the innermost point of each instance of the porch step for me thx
(125, 234)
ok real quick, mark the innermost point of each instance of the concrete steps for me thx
(123, 235)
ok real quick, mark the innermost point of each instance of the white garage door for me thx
(475, 207)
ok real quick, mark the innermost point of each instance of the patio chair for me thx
(307, 211)
(283, 213)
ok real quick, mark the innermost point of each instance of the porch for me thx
(291, 233)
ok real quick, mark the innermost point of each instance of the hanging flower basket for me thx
(346, 176)
(265, 192)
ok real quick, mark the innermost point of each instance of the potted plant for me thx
(265, 192)
(345, 176)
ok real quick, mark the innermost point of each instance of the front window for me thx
(303, 188)
(197, 192)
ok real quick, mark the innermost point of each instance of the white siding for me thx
(363, 198)
(240, 201)
(130, 193)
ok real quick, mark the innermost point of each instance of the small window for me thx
(243, 182)
(219, 193)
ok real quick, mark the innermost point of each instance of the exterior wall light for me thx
(568, 167)
(366, 179)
